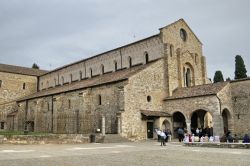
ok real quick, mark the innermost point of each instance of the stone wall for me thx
(12, 86)
(79, 111)
(241, 106)
(182, 54)
(149, 82)
(151, 46)
(187, 106)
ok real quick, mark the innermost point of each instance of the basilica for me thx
(159, 82)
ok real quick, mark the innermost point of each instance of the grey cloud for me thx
(56, 32)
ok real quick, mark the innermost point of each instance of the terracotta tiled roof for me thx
(155, 113)
(199, 90)
(21, 70)
(91, 82)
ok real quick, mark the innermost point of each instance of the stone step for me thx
(114, 138)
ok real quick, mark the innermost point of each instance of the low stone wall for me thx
(220, 145)
(49, 139)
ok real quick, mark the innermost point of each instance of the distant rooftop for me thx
(21, 70)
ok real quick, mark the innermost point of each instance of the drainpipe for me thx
(219, 102)
(52, 112)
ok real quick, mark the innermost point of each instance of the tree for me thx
(35, 66)
(240, 68)
(228, 79)
(218, 77)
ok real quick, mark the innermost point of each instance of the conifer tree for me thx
(218, 76)
(240, 68)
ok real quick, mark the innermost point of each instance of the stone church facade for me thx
(158, 82)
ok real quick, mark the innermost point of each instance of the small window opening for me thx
(80, 75)
(130, 61)
(90, 71)
(2, 125)
(146, 58)
(149, 98)
(0, 83)
(69, 104)
(99, 99)
(24, 86)
(115, 63)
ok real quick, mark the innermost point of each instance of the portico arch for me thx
(179, 121)
(226, 120)
(202, 120)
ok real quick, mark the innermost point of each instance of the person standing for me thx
(163, 137)
(180, 134)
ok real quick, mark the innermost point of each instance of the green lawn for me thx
(9, 133)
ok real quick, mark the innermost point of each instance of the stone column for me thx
(118, 124)
(188, 122)
(103, 125)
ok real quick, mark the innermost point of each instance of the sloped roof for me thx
(91, 82)
(155, 113)
(21, 70)
(199, 90)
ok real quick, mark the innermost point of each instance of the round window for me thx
(183, 34)
(148, 98)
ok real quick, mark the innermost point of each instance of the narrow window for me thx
(171, 50)
(24, 86)
(146, 57)
(48, 106)
(188, 77)
(115, 63)
(102, 69)
(41, 85)
(62, 78)
(69, 104)
(55, 81)
(90, 71)
(130, 61)
(99, 99)
(80, 75)
(71, 77)
(47, 84)
(0, 83)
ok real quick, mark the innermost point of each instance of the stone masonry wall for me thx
(152, 46)
(241, 106)
(12, 86)
(74, 112)
(148, 82)
(188, 105)
(180, 53)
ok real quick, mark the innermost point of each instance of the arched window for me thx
(196, 58)
(102, 69)
(62, 79)
(183, 34)
(80, 75)
(146, 58)
(24, 86)
(99, 99)
(130, 61)
(90, 72)
(115, 63)
(188, 75)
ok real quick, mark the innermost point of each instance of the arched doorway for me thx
(179, 121)
(202, 120)
(226, 117)
(165, 125)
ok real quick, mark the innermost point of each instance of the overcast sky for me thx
(53, 33)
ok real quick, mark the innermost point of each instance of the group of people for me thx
(163, 136)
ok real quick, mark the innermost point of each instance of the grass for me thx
(10, 133)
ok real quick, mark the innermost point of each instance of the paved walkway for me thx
(143, 153)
